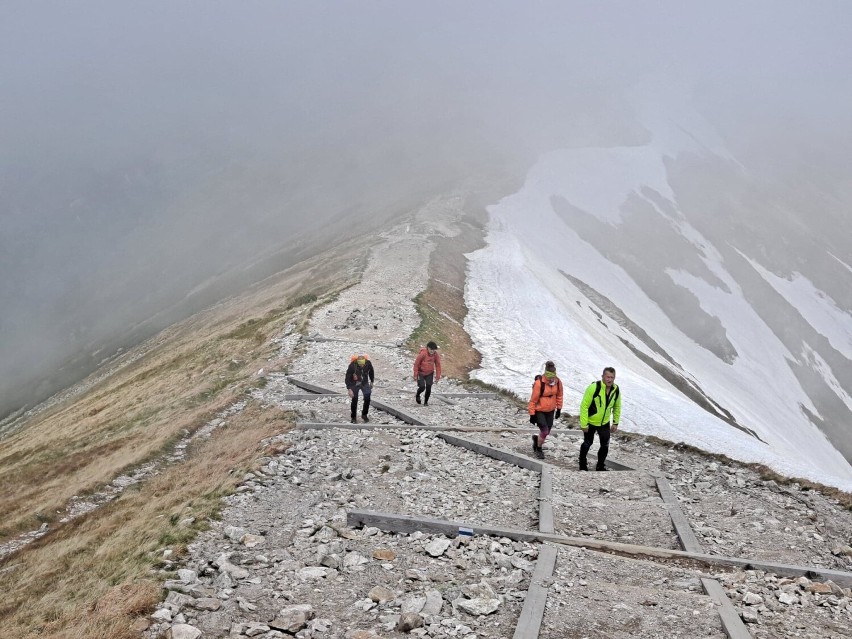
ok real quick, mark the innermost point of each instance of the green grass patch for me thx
(250, 329)
(301, 300)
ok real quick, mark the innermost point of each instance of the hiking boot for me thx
(364, 418)
(425, 402)
(602, 468)
(417, 398)
(539, 453)
(535, 443)
(583, 466)
(352, 420)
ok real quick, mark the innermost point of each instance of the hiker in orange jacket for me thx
(545, 405)
(427, 368)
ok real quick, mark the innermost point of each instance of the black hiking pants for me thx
(589, 439)
(354, 406)
(424, 382)
(544, 421)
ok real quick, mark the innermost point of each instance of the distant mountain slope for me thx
(681, 266)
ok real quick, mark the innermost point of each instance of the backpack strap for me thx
(540, 380)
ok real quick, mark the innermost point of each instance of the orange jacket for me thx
(546, 401)
(426, 364)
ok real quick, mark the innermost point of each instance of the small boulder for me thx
(380, 594)
(408, 621)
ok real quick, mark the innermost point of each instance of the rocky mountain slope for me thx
(283, 561)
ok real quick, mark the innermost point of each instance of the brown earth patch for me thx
(442, 307)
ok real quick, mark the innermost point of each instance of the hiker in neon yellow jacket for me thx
(601, 405)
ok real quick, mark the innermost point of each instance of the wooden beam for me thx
(399, 414)
(532, 614)
(406, 524)
(545, 501)
(731, 622)
(349, 341)
(688, 540)
(495, 453)
(368, 426)
(392, 522)
(310, 387)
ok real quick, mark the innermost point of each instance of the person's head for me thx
(431, 347)
(361, 360)
(549, 369)
(608, 376)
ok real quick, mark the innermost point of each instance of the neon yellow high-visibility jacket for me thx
(593, 412)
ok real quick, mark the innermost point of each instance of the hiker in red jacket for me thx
(545, 405)
(427, 369)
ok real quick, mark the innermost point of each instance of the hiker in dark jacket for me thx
(427, 370)
(359, 377)
(545, 405)
(601, 405)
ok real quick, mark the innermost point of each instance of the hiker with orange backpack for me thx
(545, 405)
(427, 369)
(359, 377)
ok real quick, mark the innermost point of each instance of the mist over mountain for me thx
(704, 283)
(154, 159)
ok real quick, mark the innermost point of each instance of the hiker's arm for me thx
(584, 407)
(533, 398)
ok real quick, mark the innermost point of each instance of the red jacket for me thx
(426, 364)
(546, 401)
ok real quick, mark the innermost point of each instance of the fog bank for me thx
(147, 148)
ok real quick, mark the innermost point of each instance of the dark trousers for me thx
(545, 424)
(425, 382)
(366, 390)
(589, 439)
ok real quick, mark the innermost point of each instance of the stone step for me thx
(624, 600)
(598, 567)
(618, 506)
(640, 523)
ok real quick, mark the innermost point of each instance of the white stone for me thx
(412, 603)
(183, 631)
(234, 532)
(187, 576)
(162, 614)
(353, 559)
(250, 541)
(313, 572)
(437, 547)
(227, 567)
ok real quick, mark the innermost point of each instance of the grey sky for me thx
(151, 142)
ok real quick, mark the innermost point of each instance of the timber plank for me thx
(529, 623)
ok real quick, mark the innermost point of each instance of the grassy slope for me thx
(92, 577)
